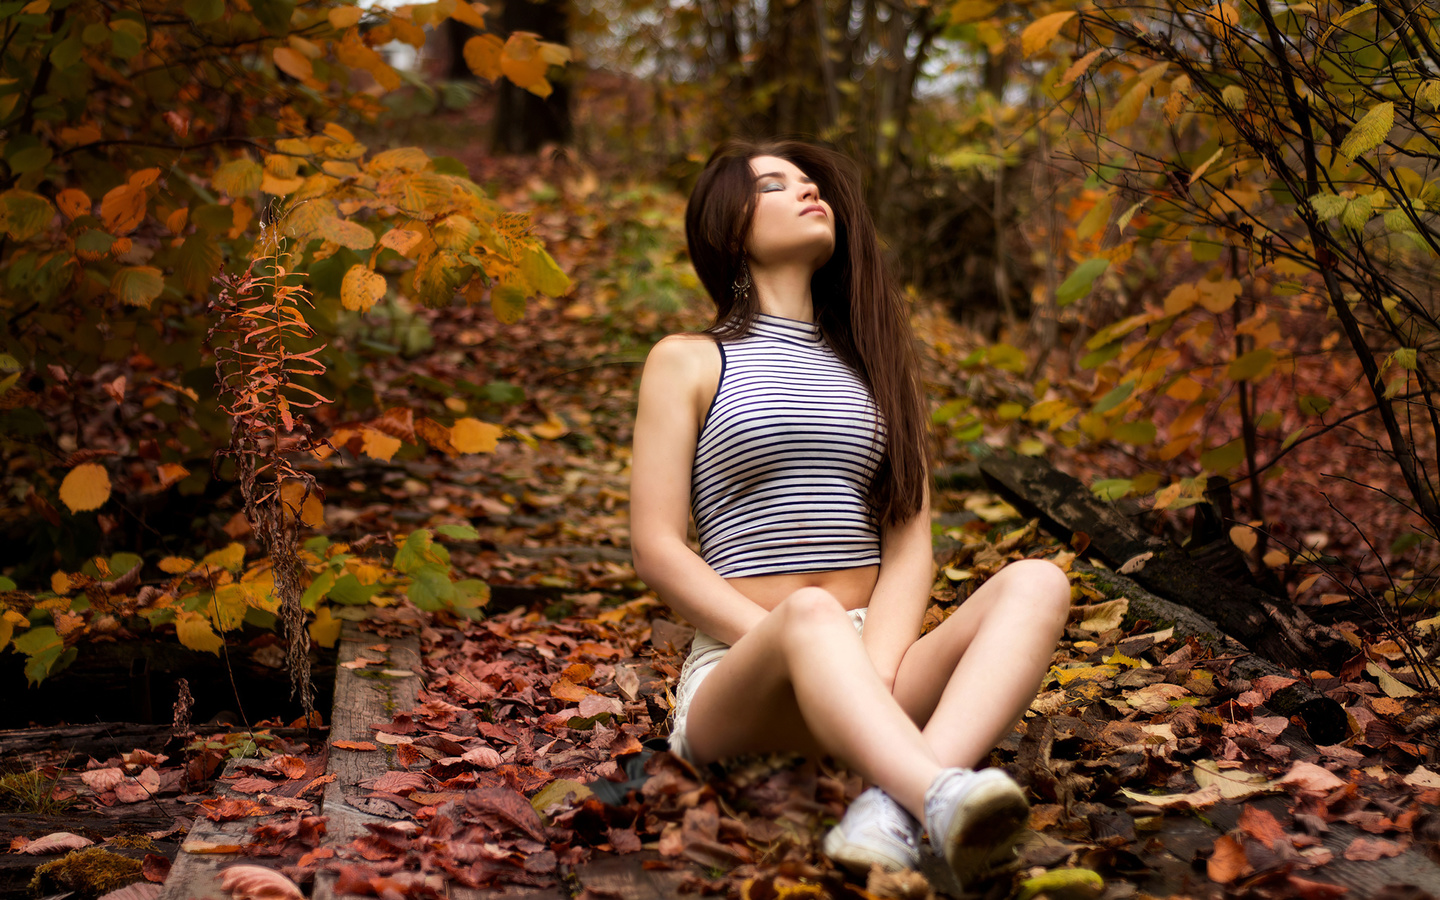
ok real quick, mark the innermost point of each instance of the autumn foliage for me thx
(161, 162)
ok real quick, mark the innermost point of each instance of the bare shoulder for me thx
(687, 358)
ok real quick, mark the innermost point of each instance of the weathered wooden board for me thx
(360, 701)
(1363, 877)
(105, 739)
(195, 874)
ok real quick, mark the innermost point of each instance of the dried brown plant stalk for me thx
(260, 309)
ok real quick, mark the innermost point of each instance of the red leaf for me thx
(504, 809)
(1261, 825)
(155, 867)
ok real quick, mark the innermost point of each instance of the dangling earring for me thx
(742, 284)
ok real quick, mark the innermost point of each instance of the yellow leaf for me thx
(1276, 558)
(73, 202)
(1369, 132)
(280, 187)
(1039, 33)
(552, 428)
(228, 605)
(1244, 537)
(379, 445)
(293, 63)
(60, 583)
(401, 240)
(482, 55)
(86, 487)
(346, 233)
(194, 631)
(1127, 110)
(470, 435)
(1185, 389)
(7, 631)
(361, 288)
(1168, 495)
(325, 630)
(342, 17)
(312, 512)
(229, 558)
(1218, 296)
(405, 159)
(174, 565)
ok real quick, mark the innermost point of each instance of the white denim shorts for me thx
(705, 652)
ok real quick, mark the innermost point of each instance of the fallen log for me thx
(1324, 719)
(1249, 615)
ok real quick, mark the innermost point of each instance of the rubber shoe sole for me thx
(994, 820)
(856, 858)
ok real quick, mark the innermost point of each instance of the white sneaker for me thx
(974, 818)
(875, 830)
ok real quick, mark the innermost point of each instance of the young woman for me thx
(795, 431)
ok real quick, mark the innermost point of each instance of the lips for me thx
(813, 208)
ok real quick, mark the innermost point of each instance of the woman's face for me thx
(792, 222)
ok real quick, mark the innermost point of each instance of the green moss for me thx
(89, 873)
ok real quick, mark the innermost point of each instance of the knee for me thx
(808, 607)
(1043, 590)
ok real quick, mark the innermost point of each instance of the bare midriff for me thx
(852, 587)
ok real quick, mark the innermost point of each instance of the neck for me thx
(784, 290)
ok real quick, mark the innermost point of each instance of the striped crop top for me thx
(785, 457)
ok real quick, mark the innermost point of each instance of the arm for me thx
(667, 426)
(902, 592)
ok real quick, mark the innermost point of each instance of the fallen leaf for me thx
(58, 842)
(353, 745)
(155, 867)
(1227, 862)
(102, 780)
(292, 767)
(1423, 778)
(1370, 849)
(1307, 776)
(248, 882)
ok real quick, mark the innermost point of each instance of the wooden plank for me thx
(1364, 877)
(360, 701)
(196, 875)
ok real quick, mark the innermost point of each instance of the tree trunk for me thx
(524, 122)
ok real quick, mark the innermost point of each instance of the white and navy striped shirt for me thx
(785, 457)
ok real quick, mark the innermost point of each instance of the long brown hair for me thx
(859, 307)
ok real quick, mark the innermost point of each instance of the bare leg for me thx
(802, 681)
(971, 679)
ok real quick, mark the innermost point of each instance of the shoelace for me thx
(897, 824)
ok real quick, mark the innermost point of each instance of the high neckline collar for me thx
(779, 326)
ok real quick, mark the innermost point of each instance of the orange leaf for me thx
(1228, 861)
(294, 64)
(122, 208)
(473, 436)
(482, 55)
(353, 745)
(73, 202)
(361, 288)
(86, 487)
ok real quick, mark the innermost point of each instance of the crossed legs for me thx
(801, 681)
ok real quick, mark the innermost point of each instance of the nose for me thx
(809, 193)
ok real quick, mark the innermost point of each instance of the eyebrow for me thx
(782, 175)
